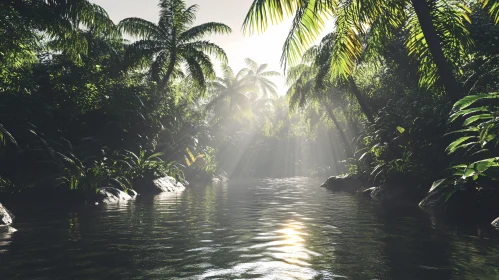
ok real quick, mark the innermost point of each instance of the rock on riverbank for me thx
(6, 218)
(343, 183)
(495, 223)
(112, 195)
(160, 185)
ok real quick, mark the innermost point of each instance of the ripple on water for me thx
(270, 229)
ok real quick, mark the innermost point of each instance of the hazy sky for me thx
(264, 48)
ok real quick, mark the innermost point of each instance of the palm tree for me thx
(302, 92)
(6, 137)
(257, 75)
(174, 42)
(59, 20)
(436, 31)
(322, 58)
(493, 8)
(230, 92)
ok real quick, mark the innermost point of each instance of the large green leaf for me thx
(6, 137)
(479, 167)
(470, 99)
(466, 112)
(456, 144)
(481, 117)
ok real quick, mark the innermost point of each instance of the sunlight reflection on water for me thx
(266, 229)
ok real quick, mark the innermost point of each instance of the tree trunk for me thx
(351, 127)
(169, 71)
(362, 102)
(173, 51)
(454, 91)
(344, 138)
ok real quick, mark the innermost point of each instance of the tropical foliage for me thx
(400, 92)
(81, 107)
(387, 77)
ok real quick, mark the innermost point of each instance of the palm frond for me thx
(305, 29)
(200, 31)
(141, 28)
(6, 137)
(493, 7)
(450, 19)
(209, 48)
(264, 13)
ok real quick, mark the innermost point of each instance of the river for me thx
(246, 229)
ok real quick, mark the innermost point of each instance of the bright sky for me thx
(264, 48)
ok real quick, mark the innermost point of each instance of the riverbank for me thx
(103, 195)
(478, 203)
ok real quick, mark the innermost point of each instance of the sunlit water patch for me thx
(259, 229)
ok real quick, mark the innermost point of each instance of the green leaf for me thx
(480, 117)
(400, 129)
(456, 144)
(466, 112)
(469, 100)
(471, 129)
(479, 167)
(6, 136)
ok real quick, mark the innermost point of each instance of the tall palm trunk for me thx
(343, 136)
(169, 70)
(454, 91)
(173, 53)
(362, 101)
(350, 126)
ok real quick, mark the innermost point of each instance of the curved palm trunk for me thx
(169, 71)
(343, 136)
(454, 91)
(173, 52)
(362, 101)
(349, 122)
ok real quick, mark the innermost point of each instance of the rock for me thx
(388, 192)
(6, 218)
(132, 193)
(218, 179)
(451, 198)
(380, 193)
(7, 230)
(367, 192)
(342, 183)
(168, 184)
(156, 186)
(495, 223)
(434, 199)
(111, 195)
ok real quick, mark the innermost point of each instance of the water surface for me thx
(252, 229)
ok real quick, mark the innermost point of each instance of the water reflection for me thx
(5, 237)
(270, 229)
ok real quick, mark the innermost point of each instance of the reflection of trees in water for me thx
(412, 248)
(418, 246)
(351, 239)
(474, 258)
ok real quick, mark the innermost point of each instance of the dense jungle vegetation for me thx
(400, 91)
